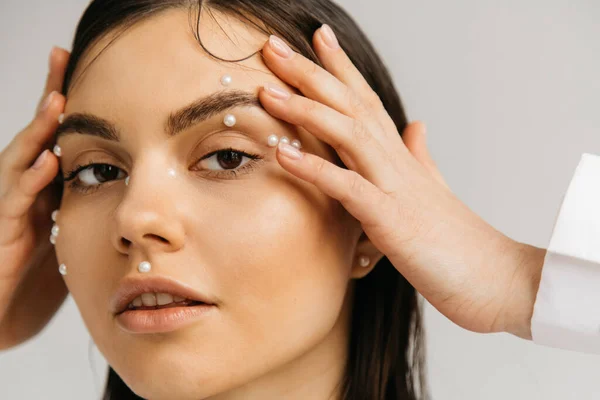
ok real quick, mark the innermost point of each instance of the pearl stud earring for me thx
(144, 266)
(62, 269)
(57, 150)
(61, 118)
(226, 80)
(272, 140)
(54, 232)
(296, 144)
(364, 261)
(229, 120)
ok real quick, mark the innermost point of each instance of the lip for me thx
(132, 287)
(163, 319)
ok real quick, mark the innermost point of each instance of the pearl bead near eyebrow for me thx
(226, 80)
(296, 144)
(229, 120)
(273, 140)
(285, 140)
(57, 151)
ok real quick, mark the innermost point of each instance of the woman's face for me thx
(274, 253)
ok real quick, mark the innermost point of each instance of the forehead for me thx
(158, 65)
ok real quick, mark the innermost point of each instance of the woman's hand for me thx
(31, 289)
(473, 274)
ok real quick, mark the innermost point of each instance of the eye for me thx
(229, 160)
(90, 176)
(223, 163)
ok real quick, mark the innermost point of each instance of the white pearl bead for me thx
(229, 120)
(62, 269)
(55, 230)
(57, 151)
(226, 80)
(127, 181)
(61, 118)
(364, 261)
(54, 215)
(144, 266)
(172, 172)
(296, 144)
(52, 239)
(285, 140)
(273, 140)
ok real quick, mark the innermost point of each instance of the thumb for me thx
(414, 138)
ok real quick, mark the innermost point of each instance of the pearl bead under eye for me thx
(272, 140)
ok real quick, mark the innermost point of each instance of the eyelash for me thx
(229, 174)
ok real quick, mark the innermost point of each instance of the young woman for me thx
(232, 211)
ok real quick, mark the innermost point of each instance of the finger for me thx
(415, 139)
(57, 64)
(15, 204)
(351, 139)
(30, 142)
(336, 61)
(312, 80)
(360, 197)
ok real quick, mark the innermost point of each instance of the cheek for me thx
(91, 265)
(285, 269)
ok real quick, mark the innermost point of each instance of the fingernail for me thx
(276, 91)
(40, 160)
(289, 151)
(329, 37)
(47, 101)
(50, 58)
(280, 47)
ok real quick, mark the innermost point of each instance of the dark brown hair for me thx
(386, 352)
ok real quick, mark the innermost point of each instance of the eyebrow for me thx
(194, 113)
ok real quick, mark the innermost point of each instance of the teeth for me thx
(154, 299)
(149, 299)
(163, 298)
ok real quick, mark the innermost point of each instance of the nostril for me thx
(153, 236)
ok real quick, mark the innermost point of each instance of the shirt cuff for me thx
(566, 312)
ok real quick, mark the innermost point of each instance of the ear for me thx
(364, 248)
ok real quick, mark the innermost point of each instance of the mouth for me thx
(155, 293)
(159, 301)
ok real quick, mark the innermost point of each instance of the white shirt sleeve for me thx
(566, 312)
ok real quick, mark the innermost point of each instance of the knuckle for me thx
(357, 184)
(309, 73)
(360, 134)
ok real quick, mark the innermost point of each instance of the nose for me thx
(147, 217)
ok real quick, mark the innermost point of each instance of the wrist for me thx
(526, 262)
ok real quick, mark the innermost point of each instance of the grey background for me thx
(509, 91)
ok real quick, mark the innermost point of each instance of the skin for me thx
(488, 285)
(283, 295)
